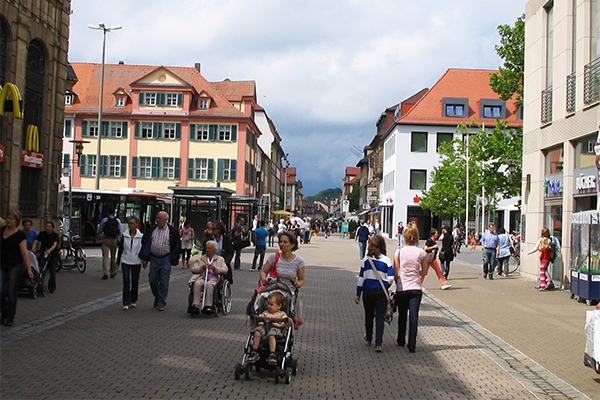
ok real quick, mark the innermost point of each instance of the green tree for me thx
(324, 194)
(508, 82)
(354, 196)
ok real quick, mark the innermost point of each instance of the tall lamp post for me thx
(287, 165)
(104, 29)
(77, 150)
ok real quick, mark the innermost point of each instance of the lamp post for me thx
(77, 150)
(287, 165)
(104, 29)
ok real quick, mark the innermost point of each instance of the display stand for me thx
(585, 257)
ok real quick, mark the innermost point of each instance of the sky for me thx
(325, 70)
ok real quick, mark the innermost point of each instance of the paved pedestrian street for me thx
(79, 344)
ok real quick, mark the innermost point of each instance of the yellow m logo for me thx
(32, 140)
(15, 106)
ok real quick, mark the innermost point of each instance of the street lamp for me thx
(287, 165)
(104, 29)
(77, 150)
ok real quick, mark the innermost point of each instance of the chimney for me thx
(198, 67)
(121, 62)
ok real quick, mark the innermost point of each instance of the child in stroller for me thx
(33, 286)
(269, 344)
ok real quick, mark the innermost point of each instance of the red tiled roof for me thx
(458, 83)
(123, 76)
(235, 90)
(352, 171)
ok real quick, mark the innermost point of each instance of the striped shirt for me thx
(161, 242)
(367, 278)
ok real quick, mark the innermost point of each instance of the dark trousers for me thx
(259, 251)
(503, 265)
(408, 310)
(489, 261)
(49, 267)
(445, 264)
(131, 281)
(9, 282)
(375, 304)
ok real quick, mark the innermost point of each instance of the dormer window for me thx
(455, 107)
(203, 104)
(68, 99)
(171, 99)
(492, 108)
(120, 102)
(149, 99)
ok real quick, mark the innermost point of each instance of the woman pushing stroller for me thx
(206, 269)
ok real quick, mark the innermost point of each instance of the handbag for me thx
(389, 315)
(430, 257)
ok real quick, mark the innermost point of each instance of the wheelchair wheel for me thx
(226, 298)
(288, 375)
(238, 372)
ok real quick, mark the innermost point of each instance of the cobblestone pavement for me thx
(78, 344)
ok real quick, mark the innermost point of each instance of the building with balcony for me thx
(560, 129)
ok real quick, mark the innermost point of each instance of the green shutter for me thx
(84, 130)
(66, 162)
(134, 167)
(155, 167)
(124, 129)
(191, 169)
(212, 133)
(137, 130)
(179, 99)
(234, 133)
(157, 131)
(160, 99)
(141, 98)
(177, 173)
(67, 132)
(178, 131)
(193, 134)
(103, 165)
(105, 128)
(220, 169)
(233, 164)
(211, 169)
(82, 162)
(123, 166)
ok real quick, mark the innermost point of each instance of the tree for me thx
(508, 82)
(324, 194)
(354, 196)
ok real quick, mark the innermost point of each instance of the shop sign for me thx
(2, 153)
(585, 181)
(32, 159)
(14, 105)
(554, 186)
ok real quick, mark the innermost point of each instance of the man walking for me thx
(110, 228)
(491, 247)
(161, 247)
(47, 241)
(260, 242)
(362, 236)
(238, 230)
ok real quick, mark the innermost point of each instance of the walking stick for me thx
(204, 291)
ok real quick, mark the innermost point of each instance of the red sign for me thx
(416, 199)
(32, 159)
(2, 153)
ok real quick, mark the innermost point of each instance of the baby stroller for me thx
(35, 286)
(286, 364)
(221, 299)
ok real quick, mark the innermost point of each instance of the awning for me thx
(364, 212)
(282, 212)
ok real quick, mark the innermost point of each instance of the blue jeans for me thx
(375, 304)
(259, 250)
(445, 267)
(237, 263)
(158, 276)
(489, 261)
(408, 309)
(131, 281)
(362, 246)
(9, 282)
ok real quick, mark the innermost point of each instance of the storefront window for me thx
(584, 152)
(554, 160)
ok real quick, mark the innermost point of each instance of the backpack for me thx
(554, 247)
(112, 228)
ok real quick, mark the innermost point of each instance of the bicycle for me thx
(514, 262)
(71, 254)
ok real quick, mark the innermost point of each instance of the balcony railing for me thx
(547, 105)
(571, 92)
(591, 82)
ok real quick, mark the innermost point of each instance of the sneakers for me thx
(132, 305)
(378, 349)
(252, 269)
(160, 308)
(505, 275)
(104, 277)
(125, 308)
(272, 360)
(367, 341)
(253, 357)
(446, 286)
(491, 277)
(298, 323)
(485, 276)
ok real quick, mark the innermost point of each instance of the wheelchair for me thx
(221, 299)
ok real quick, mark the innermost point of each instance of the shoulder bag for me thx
(389, 315)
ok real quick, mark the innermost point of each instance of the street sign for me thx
(346, 206)
(371, 189)
(371, 198)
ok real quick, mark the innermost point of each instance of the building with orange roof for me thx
(410, 144)
(293, 190)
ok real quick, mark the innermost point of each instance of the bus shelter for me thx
(198, 205)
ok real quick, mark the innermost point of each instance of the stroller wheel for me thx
(278, 373)
(238, 372)
(34, 292)
(43, 290)
(248, 372)
(288, 375)
(294, 365)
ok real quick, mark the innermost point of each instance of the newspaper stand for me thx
(585, 257)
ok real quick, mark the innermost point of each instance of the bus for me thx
(90, 206)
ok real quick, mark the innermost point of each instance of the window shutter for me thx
(66, 162)
(141, 98)
(160, 99)
(212, 132)
(103, 165)
(82, 162)
(232, 170)
(67, 128)
(137, 130)
(84, 130)
(193, 135)
(191, 168)
(220, 169)
(134, 167)
(123, 166)
(124, 129)
(177, 173)
(211, 169)
(157, 131)
(155, 167)
(179, 99)
(234, 133)
(178, 130)
(105, 126)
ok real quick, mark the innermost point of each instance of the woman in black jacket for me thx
(447, 253)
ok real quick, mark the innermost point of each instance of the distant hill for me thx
(324, 194)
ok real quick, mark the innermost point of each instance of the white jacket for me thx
(131, 249)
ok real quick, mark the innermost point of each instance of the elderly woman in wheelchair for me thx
(206, 270)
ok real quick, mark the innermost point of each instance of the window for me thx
(202, 104)
(116, 129)
(418, 142)
(149, 99)
(224, 133)
(67, 128)
(455, 110)
(389, 181)
(201, 169)
(120, 102)
(226, 170)
(68, 99)
(147, 130)
(202, 132)
(585, 155)
(443, 138)
(167, 170)
(92, 128)
(114, 166)
(455, 107)
(66, 163)
(169, 130)
(491, 111)
(172, 99)
(554, 160)
(390, 147)
(87, 165)
(418, 179)
(145, 168)
(492, 108)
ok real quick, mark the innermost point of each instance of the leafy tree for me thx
(324, 194)
(508, 82)
(354, 196)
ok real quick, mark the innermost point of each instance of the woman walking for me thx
(504, 252)
(14, 259)
(187, 241)
(447, 251)
(431, 248)
(370, 286)
(130, 262)
(410, 265)
(544, 246)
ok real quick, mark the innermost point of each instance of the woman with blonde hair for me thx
(544, 247)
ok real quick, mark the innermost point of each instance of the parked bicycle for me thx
(514, 262)
(72, 254)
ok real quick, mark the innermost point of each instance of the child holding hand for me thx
(274, 303)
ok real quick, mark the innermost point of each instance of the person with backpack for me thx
(111, 231)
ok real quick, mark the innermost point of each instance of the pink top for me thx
(409, 273)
